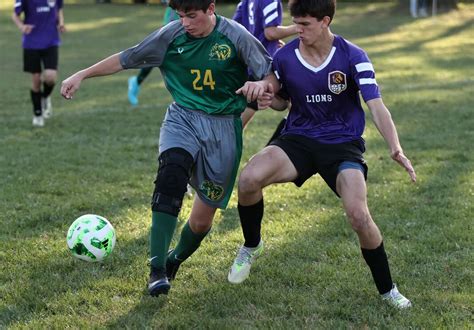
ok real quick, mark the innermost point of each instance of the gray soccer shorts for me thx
(215, 142)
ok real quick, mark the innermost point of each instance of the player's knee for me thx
(50, 77)
(249, 181)
(36, 82)
(359, 218)
(201, 226)
(170, 185)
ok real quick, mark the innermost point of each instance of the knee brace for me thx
(174, 170)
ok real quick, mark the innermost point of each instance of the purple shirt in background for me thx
(43, 14)
(256, 15)
(325, 101)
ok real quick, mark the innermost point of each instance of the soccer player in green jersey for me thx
(204, 59)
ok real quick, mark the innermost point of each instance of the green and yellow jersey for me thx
(202, 73)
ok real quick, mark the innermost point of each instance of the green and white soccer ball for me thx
(91, 238)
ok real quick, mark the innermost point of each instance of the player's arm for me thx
(253, 90)
(279, 32)
(24, 28)
(384, 123)
(108, 66)
(270, 97)
(279, 104)
(61, 26)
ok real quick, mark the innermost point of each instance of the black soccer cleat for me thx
(171, 267)
(158, 282)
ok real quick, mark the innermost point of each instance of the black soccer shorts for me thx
(37, 60)
(310, 157)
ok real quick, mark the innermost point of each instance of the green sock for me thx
(143, 74)
(162, 230)
(188, 243)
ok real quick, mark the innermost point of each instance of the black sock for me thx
(47, 89)
(36, 100)
(143, 74)
(378, 264)
(251, 222)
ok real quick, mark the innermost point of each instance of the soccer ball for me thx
(91, 238)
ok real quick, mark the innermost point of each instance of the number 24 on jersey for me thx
(202, 80)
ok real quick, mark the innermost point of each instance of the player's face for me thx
(197, 22)
(310, 30)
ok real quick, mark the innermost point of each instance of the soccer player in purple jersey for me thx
(263, 19)
(322, 75)
(42, 22)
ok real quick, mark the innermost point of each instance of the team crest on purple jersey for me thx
(337, 82)
(51, 3)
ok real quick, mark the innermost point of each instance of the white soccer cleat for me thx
(38, 121)
(47, 107)
(396, 299)
(240, 270)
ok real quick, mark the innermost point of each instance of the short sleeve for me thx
(18, 9)
(271, 13)
(364, 76)
(151, 51)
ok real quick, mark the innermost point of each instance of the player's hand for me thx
(27, 28)
(281, 43)
(266, 99)
(252, 89)
(70, 86)
(61, 28)
(401, 159)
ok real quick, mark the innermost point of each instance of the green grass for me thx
(98, 155)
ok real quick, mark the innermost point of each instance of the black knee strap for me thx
(175, 166)
(166, 204)
(176, 156)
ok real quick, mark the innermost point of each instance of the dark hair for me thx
(187, 5)
(314, 8)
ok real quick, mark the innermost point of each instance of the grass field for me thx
(97, 155)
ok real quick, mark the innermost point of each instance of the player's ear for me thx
(211, 9)
(326, 21)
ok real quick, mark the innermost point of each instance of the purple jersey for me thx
(325, 102)
(43, 14)
(256, 15)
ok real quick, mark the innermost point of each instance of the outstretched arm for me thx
(108, 66)
(279, 32)
(384, 123)
(269, 99)
(252, 90)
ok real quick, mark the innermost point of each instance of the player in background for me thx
(204, 59)
(134, 82)
(42, 22)
(322, 74)
(263, 19)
